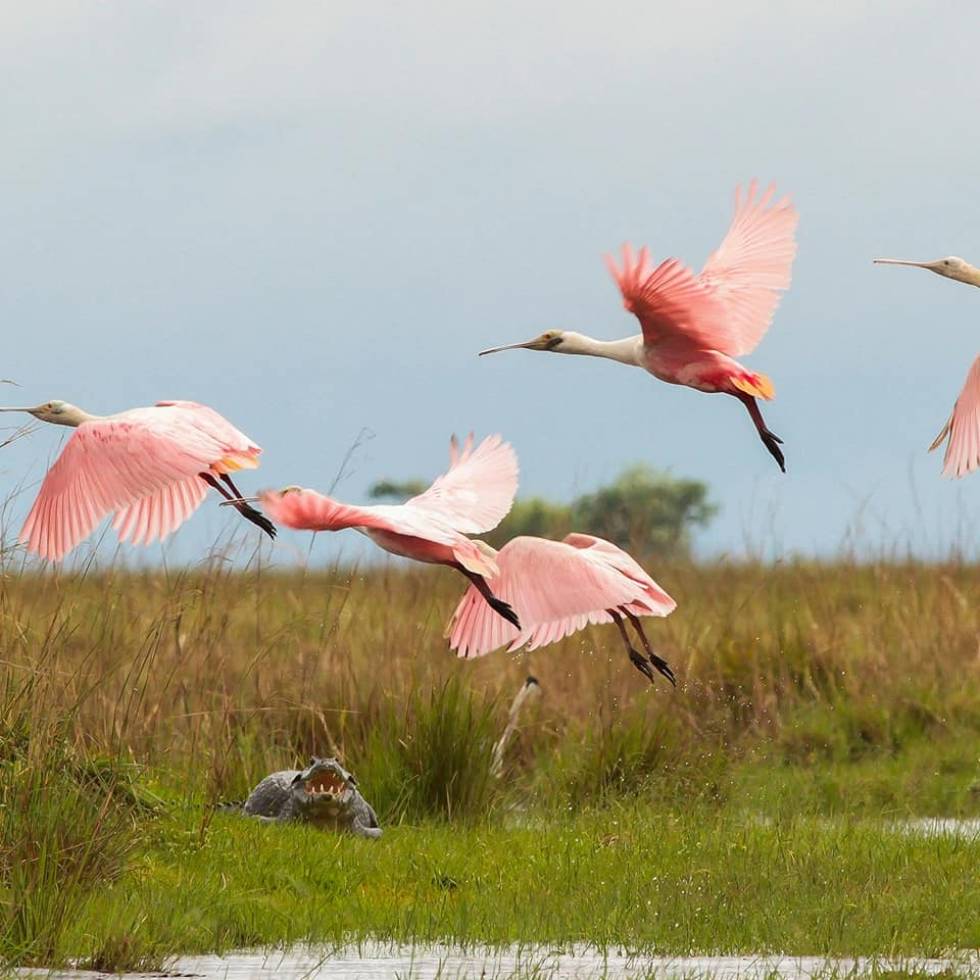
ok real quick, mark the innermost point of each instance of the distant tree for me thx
(643, 510)
(398, 490)
(534, 516)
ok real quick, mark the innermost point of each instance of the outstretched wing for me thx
(240, 451)
(116, 465)
(307, 510)
(729, 306)
(963, 429)
(752, 266)
(477, 491)
(154, 517)
(655, 600)
(555, 588)
(670, 302)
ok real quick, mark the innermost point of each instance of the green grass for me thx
(631, 875)
(747, 810)
(765, 856)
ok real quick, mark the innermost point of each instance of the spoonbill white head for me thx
(952, 267)
(549, 340)
(56, 412)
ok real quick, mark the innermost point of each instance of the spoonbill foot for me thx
(663, 667)
(641, 664)
(257, 518)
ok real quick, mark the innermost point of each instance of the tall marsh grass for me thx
(126, 694)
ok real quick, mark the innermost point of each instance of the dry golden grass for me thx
(191, 668)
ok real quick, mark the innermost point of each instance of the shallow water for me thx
(968, 829)
(375, 961)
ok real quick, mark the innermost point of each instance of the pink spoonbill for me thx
(963, 427)
(558, 588)
(694, 325)
(148, 467)
(473, 496)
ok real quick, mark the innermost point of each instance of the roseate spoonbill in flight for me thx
(473, 496)
(558, 588)
(148, 467)
(695, 325)
(963, 427)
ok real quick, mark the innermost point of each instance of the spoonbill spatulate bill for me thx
(472, 497)
(558, 588)
(694, 325)
(951, 267)
(148, 467)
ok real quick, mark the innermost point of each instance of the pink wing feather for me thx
(556, 588)
(156, 516)
(753, 265)
(963, 429)
(142, 466)
(670, 302)
(112, 465)
(217, 426)
(477, 491)
(729, 306)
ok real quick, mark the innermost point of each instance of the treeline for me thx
(648, 512)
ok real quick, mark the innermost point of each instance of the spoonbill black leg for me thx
(249, 513)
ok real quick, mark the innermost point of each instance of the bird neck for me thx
(626, 351)
(73, 416)
(970, 275)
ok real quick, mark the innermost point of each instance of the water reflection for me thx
(376, 961)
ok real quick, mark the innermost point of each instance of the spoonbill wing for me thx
(729, 306)
(751, 267)
(155, 516)
(477, 491)
(556, 588)
(111, 465)
(963, 429)
(655, 600)
(670, 302)
(241, 452)
(207, 416)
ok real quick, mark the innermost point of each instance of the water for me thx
(965, 828)
(373, 961)
(941, 827)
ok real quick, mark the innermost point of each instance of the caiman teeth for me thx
(324, 783)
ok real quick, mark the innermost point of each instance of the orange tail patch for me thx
(232, 463)
(759, 385)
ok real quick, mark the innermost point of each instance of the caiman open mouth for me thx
(325, 782)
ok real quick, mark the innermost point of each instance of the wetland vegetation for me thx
(750, 809)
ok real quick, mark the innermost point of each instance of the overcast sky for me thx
(311, 215)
